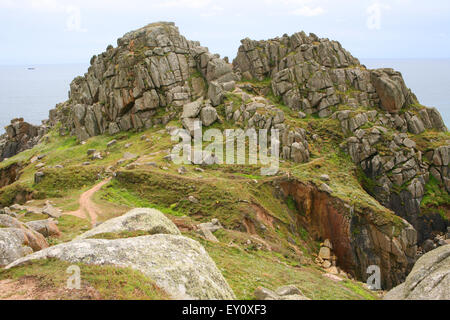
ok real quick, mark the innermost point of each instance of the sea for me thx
(30, 91)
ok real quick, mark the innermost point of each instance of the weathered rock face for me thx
(359, 239)
(140, 219)
(177, 264)
(439, 159)
(429, 279)
(152, 69)
(314, 75)
(391, 89)
(397, 170)
(19, 136)
(308, 73)
(257, 112)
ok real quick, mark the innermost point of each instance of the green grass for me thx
(167, 191)
(115, 193)
(245, 270)
(17, 192)
(111, 283)
(27, 217)
(291, 203)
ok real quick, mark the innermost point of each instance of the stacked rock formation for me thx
(143, 81)
(19, 136)
(326, 258)
(155, 75)
(376, 110)
(397, 166)
(257, 112)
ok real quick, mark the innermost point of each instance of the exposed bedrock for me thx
(429, 279)
(144, 81)
(359, 238)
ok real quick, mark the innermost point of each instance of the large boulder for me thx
(141, 219)
(391, 89)
(143, 82)
(7, 221)
(16, 243)
(428, 280)
(177, 264)
(208, 116)
(47, 228)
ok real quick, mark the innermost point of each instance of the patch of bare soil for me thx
(31, 288)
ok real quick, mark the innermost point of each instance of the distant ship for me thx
(31, 68)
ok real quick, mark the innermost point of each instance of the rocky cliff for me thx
(375, 109)
(360, 237)
(329, 110)
(19, 136)
(142, 82)
(429, 279)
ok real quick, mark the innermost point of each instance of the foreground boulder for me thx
(142, 219)
(177, 264)
(391, 89)
(16, 243)
(18, 239)
(429, 279)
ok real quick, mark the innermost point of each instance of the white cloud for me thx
(288, 2)
(192, 4)
(214, 11)
(73, 19)
(308, 11)
(47, 5)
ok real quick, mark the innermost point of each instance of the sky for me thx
(58, 31)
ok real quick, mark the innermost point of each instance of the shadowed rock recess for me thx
(320, 98)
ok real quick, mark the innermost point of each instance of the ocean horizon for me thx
(30, 91)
